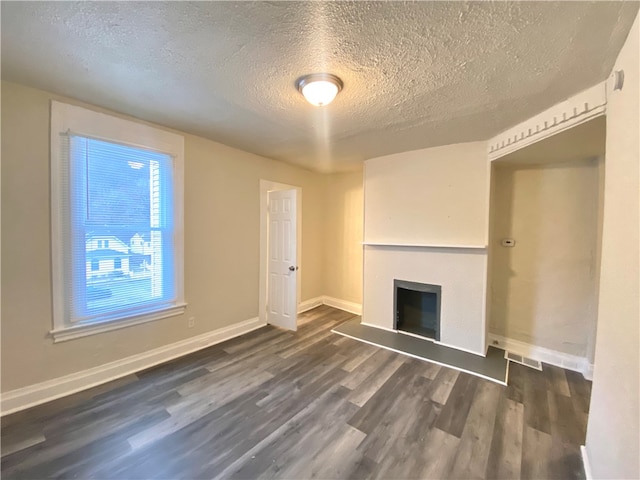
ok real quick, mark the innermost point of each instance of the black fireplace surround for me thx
(417, 308)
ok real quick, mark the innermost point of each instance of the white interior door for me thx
(283, 267)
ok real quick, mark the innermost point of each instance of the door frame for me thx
(267, 186)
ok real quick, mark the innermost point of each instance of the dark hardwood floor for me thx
(310, 404)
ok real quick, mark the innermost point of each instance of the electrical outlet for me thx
(191, 322)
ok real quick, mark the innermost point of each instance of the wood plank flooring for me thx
(310, 404)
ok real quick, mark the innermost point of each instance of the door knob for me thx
(292, 268)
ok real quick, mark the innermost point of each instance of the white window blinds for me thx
(118, 230)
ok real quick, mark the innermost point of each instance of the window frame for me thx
(80, 121)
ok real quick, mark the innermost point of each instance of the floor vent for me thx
(527, 362)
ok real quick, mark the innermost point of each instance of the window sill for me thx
(78, 331)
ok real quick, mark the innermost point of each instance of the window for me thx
(114, 183)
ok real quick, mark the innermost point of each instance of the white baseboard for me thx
(309, 304)
(546, 355)
(351, 307)
(32, 395)
(585, 462)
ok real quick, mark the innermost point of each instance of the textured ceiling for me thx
(415, 74)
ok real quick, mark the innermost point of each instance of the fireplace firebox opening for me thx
(417, 308)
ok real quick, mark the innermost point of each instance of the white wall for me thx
(436, 196)
(613, 446)
(543, 290)
(433, 196)
(461, 273)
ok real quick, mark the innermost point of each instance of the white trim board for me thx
(32, 395)
(585, 463)
(571, 112)
(79, 331)
(309, 304)
(546, 355)
(424, 245)
(351, 307)
(347, 306)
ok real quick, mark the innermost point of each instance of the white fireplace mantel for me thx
(424, 245)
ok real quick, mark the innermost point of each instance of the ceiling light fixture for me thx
(319, 88)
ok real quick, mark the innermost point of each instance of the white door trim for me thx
(267, 186)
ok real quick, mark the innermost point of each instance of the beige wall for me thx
(221, 246)
(343, 210)
(613, 445)
(543, 290)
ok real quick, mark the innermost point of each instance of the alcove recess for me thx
(548, 198)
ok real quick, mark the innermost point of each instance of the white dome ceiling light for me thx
(319, 88)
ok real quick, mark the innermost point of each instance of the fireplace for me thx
(417, 308)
